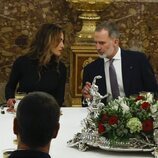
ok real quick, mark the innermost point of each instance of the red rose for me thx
(113, 120)
(101, 128)
(104, 118)
(145, 105)
(148, 125)
(139, 97)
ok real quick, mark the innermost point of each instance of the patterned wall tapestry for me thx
(19, 19)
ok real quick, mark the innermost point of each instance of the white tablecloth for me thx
(69, 125)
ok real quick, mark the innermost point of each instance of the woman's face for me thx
(58, 49)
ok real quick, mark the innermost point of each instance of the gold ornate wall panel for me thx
(81, 56)
(137, 19)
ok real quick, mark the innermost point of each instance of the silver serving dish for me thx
(89, 136)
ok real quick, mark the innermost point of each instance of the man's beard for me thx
(102, 56)
(107, 54)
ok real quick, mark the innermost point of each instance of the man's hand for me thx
(86, 90)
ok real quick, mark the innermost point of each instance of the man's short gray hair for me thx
(111, 27)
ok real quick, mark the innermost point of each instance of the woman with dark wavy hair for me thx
(40, 69)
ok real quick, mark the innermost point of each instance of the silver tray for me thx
(83, 142)
(118, 149)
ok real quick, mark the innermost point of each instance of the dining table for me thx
(70, 124)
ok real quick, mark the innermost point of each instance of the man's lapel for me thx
(126, 71)
(102, 82)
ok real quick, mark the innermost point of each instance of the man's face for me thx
(105, 45)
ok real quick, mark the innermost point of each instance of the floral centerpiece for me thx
(126, 124)
(124, 119)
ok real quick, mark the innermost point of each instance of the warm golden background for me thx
(19, 19)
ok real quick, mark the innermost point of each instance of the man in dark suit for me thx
(36, 123)
(133, 70)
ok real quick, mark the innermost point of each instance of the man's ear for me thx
(55, 132)
(116, 41)
(15, 126)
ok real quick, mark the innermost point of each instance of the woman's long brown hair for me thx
(40, 47)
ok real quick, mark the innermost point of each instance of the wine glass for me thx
(18, 97)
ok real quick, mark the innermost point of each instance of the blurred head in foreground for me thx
(37, 121)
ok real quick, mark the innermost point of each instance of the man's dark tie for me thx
(113, 80)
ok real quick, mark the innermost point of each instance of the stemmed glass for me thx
(18, 98)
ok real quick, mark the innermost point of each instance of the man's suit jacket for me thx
(137, 74)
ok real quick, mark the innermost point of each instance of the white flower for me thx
(139, 102)
(114, 107)
(125, 108)
(123, 104)
(154, 108)
(149, 97)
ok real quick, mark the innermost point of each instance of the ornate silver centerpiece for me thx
(138, 140)
(96, 96)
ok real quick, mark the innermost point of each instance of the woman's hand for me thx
(10, 103)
